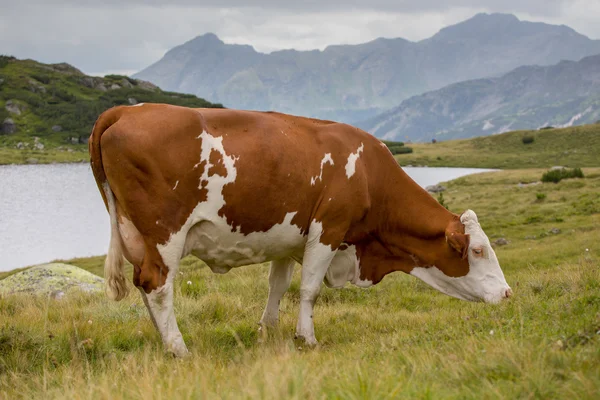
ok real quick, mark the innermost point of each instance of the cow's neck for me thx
(411, 231)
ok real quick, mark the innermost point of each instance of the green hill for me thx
(46, 109)
(577, 146)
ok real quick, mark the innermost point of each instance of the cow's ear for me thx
(457, 239)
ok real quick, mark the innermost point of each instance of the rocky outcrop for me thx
(55, 280)
(14, 107)
(8, 127)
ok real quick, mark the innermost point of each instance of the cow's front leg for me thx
(280, 277)
(317, 257)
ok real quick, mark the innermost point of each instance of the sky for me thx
(124, 36)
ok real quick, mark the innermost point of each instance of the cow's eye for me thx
(478, 251)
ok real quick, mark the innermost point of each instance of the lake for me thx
(55, 211)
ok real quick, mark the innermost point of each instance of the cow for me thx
(235, 188)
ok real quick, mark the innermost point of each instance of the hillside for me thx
(564, 94)
(354, 82)
(49, 108)
(577, 146)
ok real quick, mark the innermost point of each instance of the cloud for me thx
(111, 35)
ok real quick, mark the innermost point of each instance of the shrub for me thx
(546, 127)
(397, 147)
(4, 60)
(442, 201)
(540, 196)
(400, 150)
(556, 175)
(527, 139)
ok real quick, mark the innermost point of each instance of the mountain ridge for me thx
(528, 97)
(353, 82)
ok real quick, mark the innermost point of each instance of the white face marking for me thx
(351, 164)
(485, 280)
(326, 159)
(176, 183)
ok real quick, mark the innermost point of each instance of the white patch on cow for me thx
(484, 281)
(208, 235)
(138, 105)
(382, 144)
(214, 242)
(351, 164)
(176, 183)
(326, 159)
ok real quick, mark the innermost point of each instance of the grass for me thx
(577, 146)
(399, 339)
(46, 156)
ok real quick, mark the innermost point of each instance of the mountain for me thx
(56, 104)
(354, 82)
(531, 97)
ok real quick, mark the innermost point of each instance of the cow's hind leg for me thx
(280, 277)
(155, 280)
(317, 257)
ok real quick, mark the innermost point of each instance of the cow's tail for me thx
(116, 283)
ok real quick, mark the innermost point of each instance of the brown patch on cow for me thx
(343, 247)
(217, 166)
(456, 238)
(272, 182)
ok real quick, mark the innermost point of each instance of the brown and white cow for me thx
(240, 187)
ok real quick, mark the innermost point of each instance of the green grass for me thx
(570, 147)
(399, 339)
(46, 156)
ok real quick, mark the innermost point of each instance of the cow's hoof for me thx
(263, 332)
(178, 350)
(302, 342)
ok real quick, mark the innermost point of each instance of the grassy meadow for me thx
(399, 339)
(577, 146)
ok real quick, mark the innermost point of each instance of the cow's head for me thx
(468, 268)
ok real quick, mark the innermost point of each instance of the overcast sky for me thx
(125, 36)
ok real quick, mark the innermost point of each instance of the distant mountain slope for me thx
(564, 94)
(353, 82)
(58, 104)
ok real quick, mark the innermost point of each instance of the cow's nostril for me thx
(508, 293)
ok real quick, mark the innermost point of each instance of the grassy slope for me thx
(573, 147)
(58, 94)
(400, 339)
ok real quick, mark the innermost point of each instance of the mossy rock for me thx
(54, 279)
